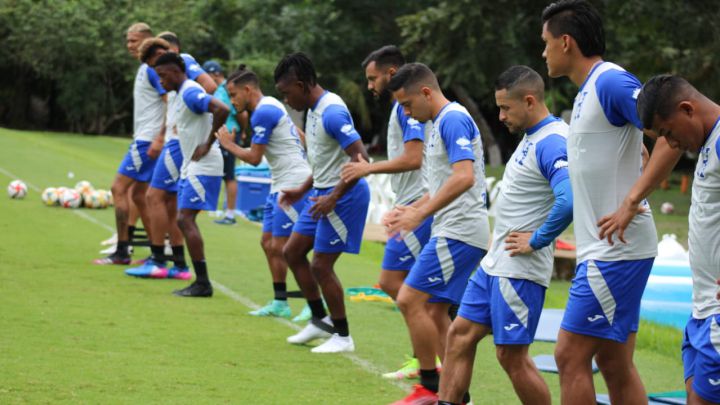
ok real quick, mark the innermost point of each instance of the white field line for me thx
(363, 364)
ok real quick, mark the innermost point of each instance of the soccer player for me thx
(672, 110)
(196, 72)
(506, 295)
(137, 167)
(604, 156)
(460, 230)
(216, 72)
(334, 219)
(197, 116)
(275, 137)
(405, 146)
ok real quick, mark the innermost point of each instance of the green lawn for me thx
(71, 332)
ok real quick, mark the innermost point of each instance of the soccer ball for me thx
(103, 198)
(667, 208)
(84, 187)
(70, 198)
(17, 189)
(90, 200)
(50, 196)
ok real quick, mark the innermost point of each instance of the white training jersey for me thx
(454, 138)
(171, 132)
(329, 130)
(704, 234)
(525, 200)
(194, 122)
(148, 106)
(271, 126)
(604, 155)
(407, 186)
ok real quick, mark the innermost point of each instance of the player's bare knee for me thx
(511, 359)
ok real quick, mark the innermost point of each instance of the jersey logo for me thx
(595, 318)
(559, 164)
(194, 68)
(259, 131)
(579, 102)
(511, 326)
(705, 156)
(524, 153)
(464, 144)
(201, 96)
(347, 129)
(413, 123)
(434, 279)
(636, 93)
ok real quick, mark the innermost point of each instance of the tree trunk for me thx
(492, 150)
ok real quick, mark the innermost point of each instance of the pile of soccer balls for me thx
(83, 195)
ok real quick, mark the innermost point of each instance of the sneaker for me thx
(277, 308)
(419, 396)
(176, 273)
(195, 289)
(226, 221)
(336, 344)
(142, 261)
(112, 248)
(410, 369)
(114, 258)
(315, 329)
(304, 315)
(110, 241)
(148, 270)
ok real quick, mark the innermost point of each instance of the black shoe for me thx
(196, 289)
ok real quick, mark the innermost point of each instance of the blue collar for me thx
(318, 100)
(441, 110)
(597, 65)
(547, 120)
(711, 131)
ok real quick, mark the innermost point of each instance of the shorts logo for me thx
(511, 326)
(130, 168)
(434, 279)
(195, 199)
(405, 258)
(335, 242)
(714, 383)
(595, 318)
(169, 181)
(287, 225)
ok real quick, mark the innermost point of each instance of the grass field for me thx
(71, 332)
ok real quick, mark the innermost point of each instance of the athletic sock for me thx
(430, 379)
(201, 274)
(229, 213)
(466, 398)
(131, 233)
(317, 308)
(158, 253)
(179, 256)
(448, 403)
(341, 327)
(280, 290)
(122, 248)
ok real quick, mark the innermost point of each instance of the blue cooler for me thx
(253, 188)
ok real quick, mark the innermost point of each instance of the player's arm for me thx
(410, 159)
(159, 140)
(252, 155)
(200, 103)
(206, 82)
(263, 123)
(243, 118)
(289, 197)
(662, 161)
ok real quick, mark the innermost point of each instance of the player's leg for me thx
(438, 311)
(573, 354)
(462, 339)
(156, 208)
(120, 190)
(230, 188)
(529, 385)
(615, 361)
(391, 281)
(139, 197)
(272, 247)
(180, 268)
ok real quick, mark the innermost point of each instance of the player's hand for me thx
(201, 151)
(225, 137)
(324, 205)
(352, 171)
(403, 219)
(155, 148)
(618, 221)
(290, 196)
(518, 243)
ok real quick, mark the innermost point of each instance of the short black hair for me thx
(521, 77)
(170, 37)
(660, 95)
(580, 20)
(388, 55)
(171, 58)
(411, 76)
(149, 46)
(243, 76)
(298, 64)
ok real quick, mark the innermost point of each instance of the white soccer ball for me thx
(50, 196)
(103, 198)
(84, 187)
(70, 198)
(17, 189)
(667, 208)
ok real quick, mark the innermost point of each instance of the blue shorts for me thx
(510, 306)
(443, 269)
(278, 220)
(401, 254)
(199, 192)
(605, 298)
(167, 170)
(701, 356)
(137, 164)
(342, 229)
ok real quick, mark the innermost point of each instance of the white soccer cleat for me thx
(112, 248)
(110, 241)
(312, 332)
(336, 344)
